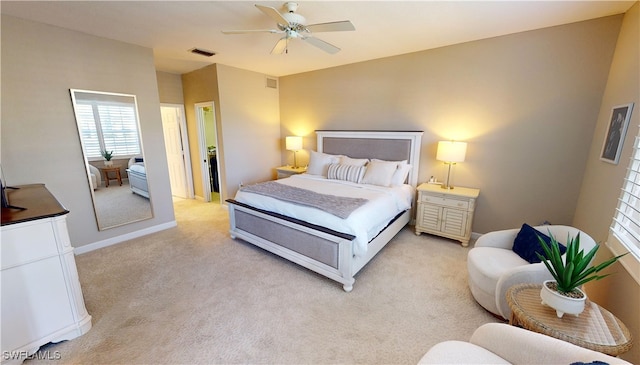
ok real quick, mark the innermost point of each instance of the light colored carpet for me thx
(192, 295)
(117, 205)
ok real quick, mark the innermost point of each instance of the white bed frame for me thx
(324, 251)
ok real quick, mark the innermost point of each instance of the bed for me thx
(138, 177)
(337, 252)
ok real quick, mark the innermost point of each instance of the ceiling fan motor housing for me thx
(296, 22)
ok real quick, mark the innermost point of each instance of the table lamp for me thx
(293, 143)
(451, 152)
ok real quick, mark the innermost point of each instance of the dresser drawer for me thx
(26, 242)
(444, 201)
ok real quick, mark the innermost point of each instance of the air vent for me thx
(272, 83)
(202, 52)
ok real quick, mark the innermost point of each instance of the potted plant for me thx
(107, 156)
(564, 294)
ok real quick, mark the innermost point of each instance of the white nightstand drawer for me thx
(441, 200)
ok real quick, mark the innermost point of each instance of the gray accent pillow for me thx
(351, 173)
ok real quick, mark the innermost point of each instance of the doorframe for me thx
(184, 139)
(204, 153)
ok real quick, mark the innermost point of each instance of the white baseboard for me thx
(125, 237)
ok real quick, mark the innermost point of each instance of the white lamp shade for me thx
(293, 143)
(450, 151)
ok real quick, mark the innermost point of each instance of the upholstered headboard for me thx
(382, 145)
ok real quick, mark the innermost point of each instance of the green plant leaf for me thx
(565, 284)
(572, 247)
(551, 270)
(608, 262)
(575, 270)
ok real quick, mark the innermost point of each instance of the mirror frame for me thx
(74, 99)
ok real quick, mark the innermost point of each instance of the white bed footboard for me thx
(138, 183)
(321, 251)
(324, 251)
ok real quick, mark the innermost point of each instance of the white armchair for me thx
(500, 343)
(493, 266)
(96, 178)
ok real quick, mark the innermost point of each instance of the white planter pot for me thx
(562, 304)
(108, 163)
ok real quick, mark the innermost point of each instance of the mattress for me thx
(365, 222)
(138, 167)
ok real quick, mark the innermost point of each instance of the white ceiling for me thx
(383, 28)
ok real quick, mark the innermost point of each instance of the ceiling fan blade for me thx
(331, 27)
(327, 47)
(252, 31)
(273, 14)
(280, 47)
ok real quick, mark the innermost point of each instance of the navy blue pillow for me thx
(138, 159)
(527, 244)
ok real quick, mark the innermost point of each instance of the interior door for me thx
(172, 122)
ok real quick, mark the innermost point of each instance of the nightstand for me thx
(446, 212)
(286, 171)
(107, 177)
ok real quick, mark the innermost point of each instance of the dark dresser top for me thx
(37, 200)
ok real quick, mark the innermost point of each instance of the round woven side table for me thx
(595, 328)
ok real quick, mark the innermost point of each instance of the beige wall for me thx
(40, 142)
(619, 293)
(250, 125)
(247, 122)
(199, 86)
(526, 103)
(170, 88)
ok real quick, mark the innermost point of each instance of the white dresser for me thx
(446, 212)
(41, 296)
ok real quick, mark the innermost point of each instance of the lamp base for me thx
(447, 183)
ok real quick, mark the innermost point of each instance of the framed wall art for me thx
(614, 139)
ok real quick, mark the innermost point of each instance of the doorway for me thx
(174, 126)
(208, 141)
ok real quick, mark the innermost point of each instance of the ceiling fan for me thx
(293, 25)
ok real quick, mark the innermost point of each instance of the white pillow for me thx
(345, 160)
(380, 172)
(400, 176)
(346, 172)
(319, 163)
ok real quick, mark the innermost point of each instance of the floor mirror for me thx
(109, 131)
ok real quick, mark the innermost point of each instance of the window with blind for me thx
(108, 125)
(626, 222)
